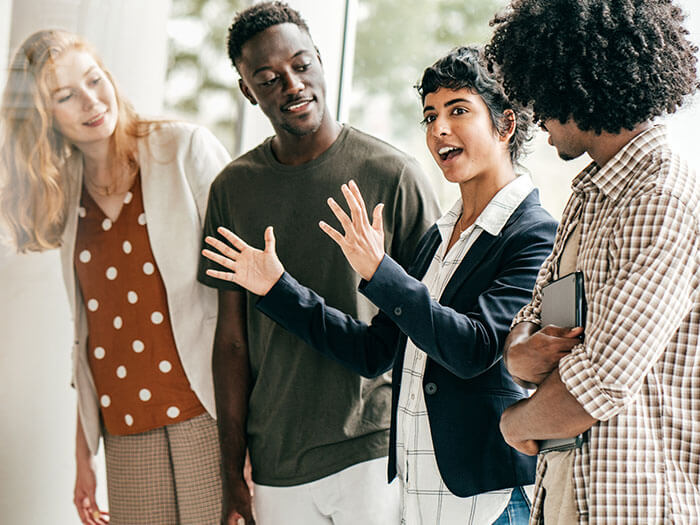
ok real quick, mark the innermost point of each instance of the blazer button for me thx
(430, 388)
(398, 311)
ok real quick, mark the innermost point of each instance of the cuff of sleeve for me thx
(579, 376)
(526, 315)
(277, 295)
(389, 276)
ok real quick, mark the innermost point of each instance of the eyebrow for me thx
(264, 68)
(89, 70)
(449, 103)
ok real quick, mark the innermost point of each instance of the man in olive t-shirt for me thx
(303, 417)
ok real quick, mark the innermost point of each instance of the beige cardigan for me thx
(178, 164)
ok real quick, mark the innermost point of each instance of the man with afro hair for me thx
(622, 393)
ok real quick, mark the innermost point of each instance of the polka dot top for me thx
(140, 382)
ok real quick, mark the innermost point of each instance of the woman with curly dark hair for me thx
(622, 403)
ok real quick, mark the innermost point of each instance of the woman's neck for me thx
(478, 192)
(103, 174)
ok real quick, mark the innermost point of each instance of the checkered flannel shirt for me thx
(638, 370)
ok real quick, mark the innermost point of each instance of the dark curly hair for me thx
(256, 19)
(465, 67)
(607, 64)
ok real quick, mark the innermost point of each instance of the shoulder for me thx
(165, 134)
(372, 150)
(246, 165)
(530, 222)
(667, 184)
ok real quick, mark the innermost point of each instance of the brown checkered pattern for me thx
(638, 370)
(166, 476)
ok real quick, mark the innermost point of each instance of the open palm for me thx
(255, 270)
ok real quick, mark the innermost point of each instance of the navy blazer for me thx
(465, 383)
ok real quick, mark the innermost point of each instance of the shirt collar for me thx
(497, 211)
(617, 173)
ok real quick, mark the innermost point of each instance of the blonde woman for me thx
(124, 199)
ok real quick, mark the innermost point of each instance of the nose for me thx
(292, 82)
(88, 99)
(440, 127)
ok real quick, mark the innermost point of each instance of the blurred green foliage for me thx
(201, 84)
(398, 39)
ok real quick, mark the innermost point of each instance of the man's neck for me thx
(604, 146)
(295, 150)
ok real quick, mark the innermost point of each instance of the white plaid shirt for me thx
(638, 369)
(425, 498)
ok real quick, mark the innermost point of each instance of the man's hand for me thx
(530, 355)
(237, 505)
(363, 243)
(253, 269)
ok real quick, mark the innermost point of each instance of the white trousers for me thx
(358, 494)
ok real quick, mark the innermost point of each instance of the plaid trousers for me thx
(166, 476)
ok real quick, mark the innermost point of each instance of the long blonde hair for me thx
(33, 154)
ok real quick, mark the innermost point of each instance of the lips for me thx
(95, 121)
(298, 105)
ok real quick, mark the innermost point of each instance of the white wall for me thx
(37, 414)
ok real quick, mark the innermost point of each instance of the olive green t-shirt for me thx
(308, 415)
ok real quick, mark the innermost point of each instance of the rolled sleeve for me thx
(635, 315)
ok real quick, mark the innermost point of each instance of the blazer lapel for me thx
(476, 254)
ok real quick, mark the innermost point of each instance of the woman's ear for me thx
(508, 128)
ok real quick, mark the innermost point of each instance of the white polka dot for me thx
(106, 224)
(81, 212)
(85, 256)
(126, 247)
(99, 352)
(111, 273)
(105, 401)
(142, 219)
(121, 372)
(117, 322)
(165, 366)
(173, 412)
(128, 197)
(137, 346)
(93, 305)
(132, 297)
(129, 419)
(148, 268)
(156, 317)
(144, 394)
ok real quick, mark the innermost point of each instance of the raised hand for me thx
(363, 243)
(253, 269)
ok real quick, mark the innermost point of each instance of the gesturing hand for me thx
(253, 269)
(363, 243)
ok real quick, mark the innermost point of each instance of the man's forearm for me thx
(552, 412)
(518, 334)
(231, 372)
(231, 387)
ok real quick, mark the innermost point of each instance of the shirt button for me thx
(398, 311)
(430, 388)
(413, 396)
